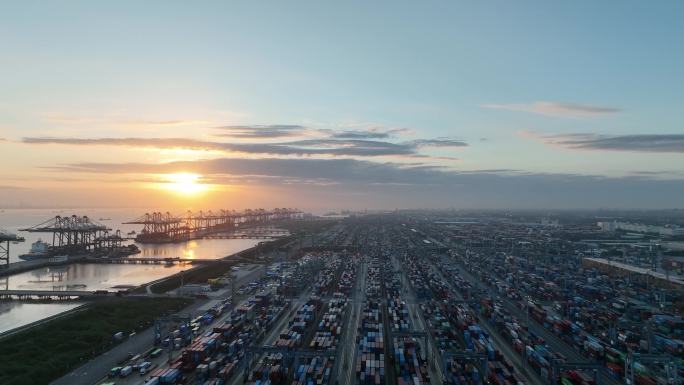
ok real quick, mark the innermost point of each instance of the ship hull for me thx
(33, 257)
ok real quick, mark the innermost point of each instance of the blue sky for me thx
(582, 88)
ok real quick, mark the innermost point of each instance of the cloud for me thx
(318, 169)
(374, 184)
(309, 147)
(556, 109)
(638, 143)
(132, 142)
(8, 187)
(371, 133)
(338, 170)
(439, 142)
(73, 119)
(262, 131)
(291, 130)
(663, 174)
(163, 123)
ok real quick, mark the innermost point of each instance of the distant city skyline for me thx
(357, 105)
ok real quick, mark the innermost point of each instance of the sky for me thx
(330, 105)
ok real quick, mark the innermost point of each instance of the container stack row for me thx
(370, 355)
(348, 275)
(409, 366)
(326, 281)
(330, 325)
(293, 336)
(316, 371)
(268, 371)
(370, 364)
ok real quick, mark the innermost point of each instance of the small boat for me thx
(131, 232)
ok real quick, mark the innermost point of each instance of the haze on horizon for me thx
(501, 104)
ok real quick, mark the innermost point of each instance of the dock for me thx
(161, 227)
(53, 294)
(153, 261)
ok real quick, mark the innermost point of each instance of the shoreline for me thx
(167, 283)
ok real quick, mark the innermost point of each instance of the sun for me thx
(185, 184)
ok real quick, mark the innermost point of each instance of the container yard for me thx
(416, 302)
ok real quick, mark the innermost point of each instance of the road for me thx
(348, 340)
(97, 369)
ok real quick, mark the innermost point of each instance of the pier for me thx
(61, 295)
(79, 235)
(5, 239)
(167, 228)
(152, 261)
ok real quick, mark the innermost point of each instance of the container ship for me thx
(39, 250)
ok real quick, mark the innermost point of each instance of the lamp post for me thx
(180, 289)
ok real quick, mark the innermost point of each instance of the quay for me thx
(53, 294)
(167, 228)
(20, 267)
(153, 261)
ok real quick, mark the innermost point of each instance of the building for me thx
(669, 230)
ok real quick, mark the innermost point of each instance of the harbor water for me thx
(91, 277)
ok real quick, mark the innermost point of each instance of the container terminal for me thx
(165, 227)
(413, 298)
(80, 239)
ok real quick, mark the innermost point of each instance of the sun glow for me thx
(185, 184)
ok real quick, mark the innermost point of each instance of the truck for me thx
(126, 371)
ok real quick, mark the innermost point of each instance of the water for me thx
(88, 276)
(92, 276)
(14, 314)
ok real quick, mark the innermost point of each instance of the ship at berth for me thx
(39, 250)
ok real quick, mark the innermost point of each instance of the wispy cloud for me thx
(371, 133)
(8, 187)
(163, 123)
(309, 147)
(130, 142)
(262, 131)
(70, 119)
(122, 122)
(663, 174)
(640, 143)
(438, 142)
(558, 109)
(273, 131)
